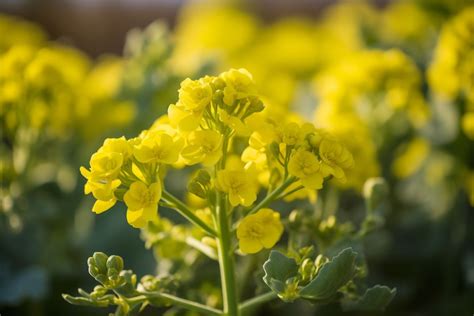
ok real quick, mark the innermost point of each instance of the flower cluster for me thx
(213, 118)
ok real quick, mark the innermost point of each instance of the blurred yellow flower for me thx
(452, 68)
(410, 158)
(335, 159)
(467, 125)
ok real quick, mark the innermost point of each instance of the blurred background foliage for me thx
(393, 80)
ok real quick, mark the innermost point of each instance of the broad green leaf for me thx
(279, 268)
(374, 299)
(331, 277)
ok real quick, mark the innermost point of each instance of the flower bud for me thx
(295, 219)
(319, 262)
(99, 259)
(307, 268)
(115, 262)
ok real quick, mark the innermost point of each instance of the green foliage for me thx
(375, 298)
(330, 281)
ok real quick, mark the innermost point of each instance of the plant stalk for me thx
(226, 259)
(186, 212)
(256, 301)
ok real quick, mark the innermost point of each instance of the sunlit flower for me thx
(260, 230)
(142, 203)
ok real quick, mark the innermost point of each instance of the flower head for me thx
(142, 203)
(203, 146)
(306, 166)
(194, 95)
(159, 147)
(335, 158)
(239, 184)
(260, 230)
(239, 85)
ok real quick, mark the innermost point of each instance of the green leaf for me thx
(331, 277)
(279, 268)
(374, 299)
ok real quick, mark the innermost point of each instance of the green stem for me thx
(291, 192)
(203, 248)
(256, 301)
(184, 303)
(226, 259)
(272, 196)
(186, 212)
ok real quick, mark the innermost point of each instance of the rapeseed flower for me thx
(260, 230)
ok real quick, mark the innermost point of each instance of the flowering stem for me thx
(272, 196)
(226, 259)
(186, 212)
(256, 301)
(184, 303)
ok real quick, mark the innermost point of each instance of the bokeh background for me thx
(393, 79)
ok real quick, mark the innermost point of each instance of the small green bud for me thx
(319, 262)
(100, 261)
(275, 149)
(115, 262)
(291, 290)
(254, 105)
(93, 271)
(98, 292)
(199, 183)
(296, 219)
(315, 139)
(307, 269)
(218, 83)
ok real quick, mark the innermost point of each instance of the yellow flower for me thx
(158, 147)
(335, 158)
(235, 123)
(102, 189)
(117, 145)
(291, 134)
(239, 85)
(194, 95)
(467, 124)
(239, 184)
(142, 203)
(203, 146)
(306, 166)
(469, 186)
(184, 120)
(260, 230)
(411, 158)
(102, 178)
(106, 164)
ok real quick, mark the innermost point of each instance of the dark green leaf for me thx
(374, 299)
(278, 268)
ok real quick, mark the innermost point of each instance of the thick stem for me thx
(187, 213)
(256, 301)
(226, 259)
